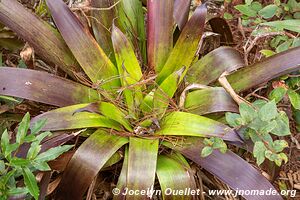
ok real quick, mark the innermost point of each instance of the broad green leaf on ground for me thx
(268, 11)
(277, 94)
(294, 98)
(288, 24)
(246, 10)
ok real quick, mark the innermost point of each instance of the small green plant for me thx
(14, 169)
(257, 122)
(212, 144)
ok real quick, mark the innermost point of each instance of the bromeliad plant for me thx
(134, 95)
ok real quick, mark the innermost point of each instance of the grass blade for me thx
(159, 33)
(142, 158)
(42, 87)
(209, 100)
(209, 68)
(186, 46)
(66, 118)
(45, 40)
(181, 12)
(173, 174)
(86, 50)
(265, 70)
(187, 124)
(83, 167)
(239, 174)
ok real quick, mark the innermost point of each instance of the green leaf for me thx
(268, 111)
(42, 166)
(289, 24)
(19, 162)
(165, 92)
(37, 126)
(206, 151)
(175, 174)
(219, 144)
(84, 47)
(294, 98)
(187, 124)
(52, 153)
(246, 10)
(30, 182)
(267, 52)
(256, 6)
(2, 167)
(232, 119)
(247, 112)
(186, 46)
(277, 94)
(259, 152)
(17, 191)
(268, 11)
(142, 160)
(279, 145)
(132, 21)
(128, 67)
(23, 128)
(66, 118)
(227, 16)
(101, 145)
(4, 142)
(42, 37)
(282, 128)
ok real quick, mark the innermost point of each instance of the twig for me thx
(225, 84)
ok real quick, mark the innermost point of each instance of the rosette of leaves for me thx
(131, 94)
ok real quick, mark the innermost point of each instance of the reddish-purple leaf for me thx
(45, 40)
(265, 70)
(86, 50)
(181, 12)
(209, 68)
(229, 168)
(43, 87)
(87, 161)
(159, 33)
